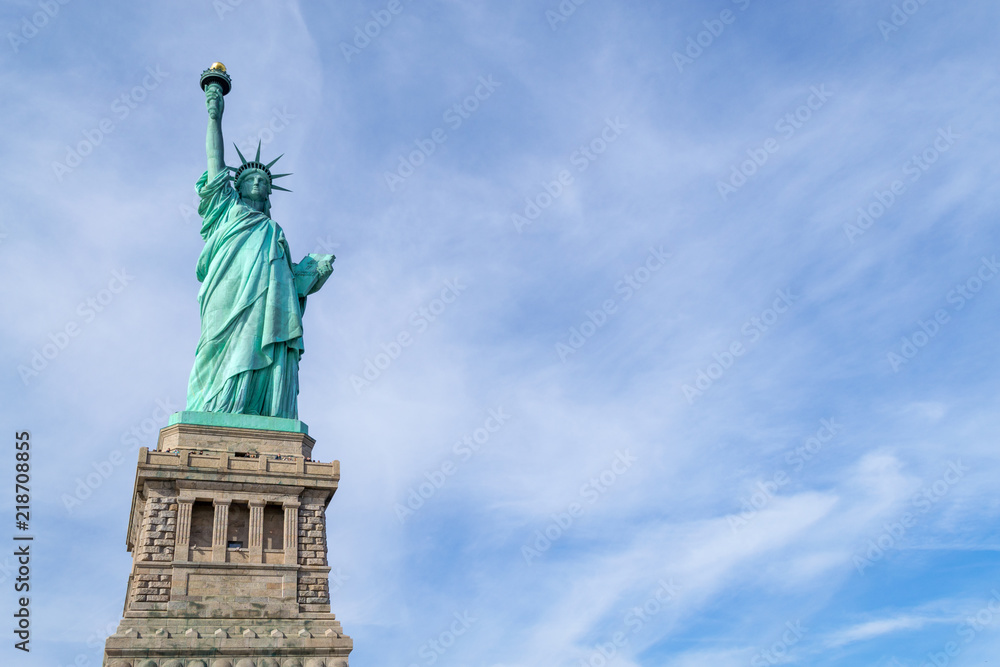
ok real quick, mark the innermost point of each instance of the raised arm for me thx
(213, 142)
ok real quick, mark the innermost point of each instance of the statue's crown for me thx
(258, 165)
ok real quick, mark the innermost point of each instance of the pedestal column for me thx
(219, 528)
(256, 536)
(192, 601)
(183, 535)
(291, 536)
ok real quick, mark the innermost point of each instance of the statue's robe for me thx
(247, 360)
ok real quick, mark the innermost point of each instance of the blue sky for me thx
(723, 270)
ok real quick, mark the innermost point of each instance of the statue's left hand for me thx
(311, 273)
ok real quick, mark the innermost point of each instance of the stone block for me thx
(228, 613)
(205, 437)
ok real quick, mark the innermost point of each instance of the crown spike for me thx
(271, 163)
(257, 159)
(274, 176)
(278, 187)
(242, 159)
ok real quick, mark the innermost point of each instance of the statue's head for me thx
(254, 180)
(254, 184)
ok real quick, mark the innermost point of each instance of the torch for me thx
(216, 74)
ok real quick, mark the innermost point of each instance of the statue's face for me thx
(254, 185)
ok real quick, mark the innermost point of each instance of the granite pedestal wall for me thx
(228, 537)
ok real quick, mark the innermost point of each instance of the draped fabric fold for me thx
(247, 359)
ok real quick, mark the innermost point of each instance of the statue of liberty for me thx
(252, 296)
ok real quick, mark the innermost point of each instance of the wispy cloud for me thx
(738, 450)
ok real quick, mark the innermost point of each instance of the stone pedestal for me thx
(228, 540)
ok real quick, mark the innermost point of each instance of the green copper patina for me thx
(254, 422)
(252, 296)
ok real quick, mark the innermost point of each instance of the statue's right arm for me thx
(213, 142)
